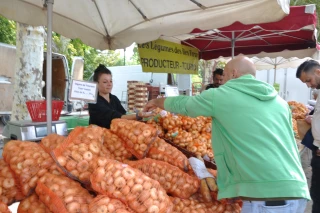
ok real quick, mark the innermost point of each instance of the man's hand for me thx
(153, 104)
(308, 119)
(318, 152)
(145, 114)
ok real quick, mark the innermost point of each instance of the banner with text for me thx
(162, 56)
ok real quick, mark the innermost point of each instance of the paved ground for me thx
(307, 169)
(305, 163)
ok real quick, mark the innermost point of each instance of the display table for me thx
(75, 120)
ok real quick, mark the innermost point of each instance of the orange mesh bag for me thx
(61, 194)
(141, 193)
(116, 146)
(180, 137)
(171, 122)
(160, 150)
(230, 203)
(104, 204)
(8, 188)
(137, 136)
(78, 154)
(171, 178)
(195, 204)
(28, 162)
(4, 208)
(51, 141)
(198, 146)
(32, 204)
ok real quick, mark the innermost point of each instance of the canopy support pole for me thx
(275, 74)
(233, 42)
(49, 66)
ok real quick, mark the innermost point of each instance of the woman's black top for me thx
(102, 112)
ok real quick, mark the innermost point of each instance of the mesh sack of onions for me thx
(105, 204)
(141, 193)
(115, 145)
(78, 154)
(193, 205)
(32, 204)
(161, 150)
(28, 161)
(198, 146)
(171, 121)
(179, 136)
(176, 182)
(8, 188)
(4, 208)
(188, 205)
(51, 141)
(61, 194)
(156, 125)
(137, 136)
(235, 203)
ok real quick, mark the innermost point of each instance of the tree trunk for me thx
(28, 70)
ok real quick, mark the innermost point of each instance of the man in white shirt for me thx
(309, 73)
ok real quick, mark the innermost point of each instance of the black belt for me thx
(276, 203)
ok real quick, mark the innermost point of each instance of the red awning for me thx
(294, 32)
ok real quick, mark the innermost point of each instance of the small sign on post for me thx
(84, 90)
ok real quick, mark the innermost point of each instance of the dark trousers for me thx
(315, 183)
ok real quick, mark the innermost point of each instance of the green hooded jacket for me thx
(252, 138)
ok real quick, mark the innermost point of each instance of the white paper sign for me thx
(199, 168)
(171, 91)
(84, 90)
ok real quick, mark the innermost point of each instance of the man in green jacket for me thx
(253, 141)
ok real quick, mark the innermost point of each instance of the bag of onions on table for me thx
(32, 204)
(141, 193)
(63, 195)
(105, 204)
(176, 182)
(161, 150)
(51, 142)
(4, 208)
(116, 146)
(8, 187)
(78, 154)
(137, 136)
(28, 161)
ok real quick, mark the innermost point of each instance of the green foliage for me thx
(135, 58)
(7, 31)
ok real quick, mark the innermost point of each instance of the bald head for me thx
(239, 66)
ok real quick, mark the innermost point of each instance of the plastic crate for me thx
(38, 110)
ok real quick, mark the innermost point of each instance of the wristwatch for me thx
(138, 117)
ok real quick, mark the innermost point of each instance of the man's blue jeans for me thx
(291, 206)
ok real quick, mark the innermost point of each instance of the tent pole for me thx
(49, 66)
(275, 74)
(233, 44)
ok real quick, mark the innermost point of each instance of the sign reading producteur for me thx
(162, 56)
(84, 90)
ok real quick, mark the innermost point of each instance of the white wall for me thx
(122, 74)
(291, 88)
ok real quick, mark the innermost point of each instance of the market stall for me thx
(113, 164)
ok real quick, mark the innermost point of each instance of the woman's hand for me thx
(308, 119)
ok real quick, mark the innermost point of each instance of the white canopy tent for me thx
(278, 60)
(116, 24)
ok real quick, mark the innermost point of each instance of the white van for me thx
(60, 78)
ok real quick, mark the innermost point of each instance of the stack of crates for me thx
(141, 96)
(131, 85)
(154, 92)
